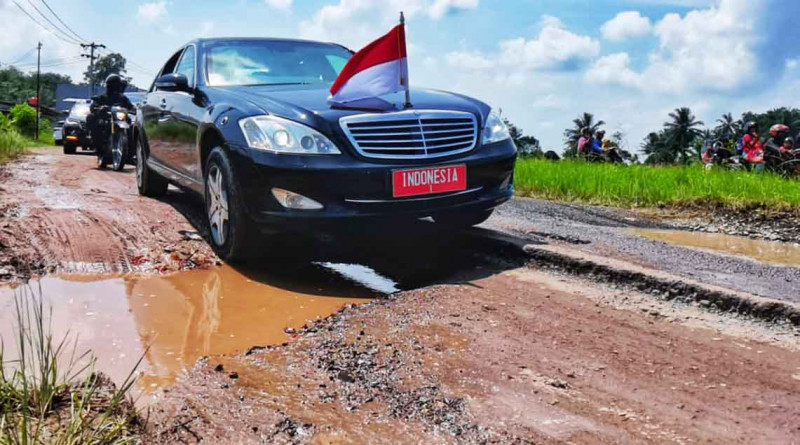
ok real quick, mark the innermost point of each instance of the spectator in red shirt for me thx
(753, 150)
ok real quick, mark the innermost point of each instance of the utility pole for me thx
(38, 89)
(92, 46)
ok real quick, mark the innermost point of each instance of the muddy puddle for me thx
(175, 320)
(772, 252)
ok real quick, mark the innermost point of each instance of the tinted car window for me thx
(186, 65)
(234, 62)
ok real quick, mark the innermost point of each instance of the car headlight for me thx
(495, 129)
(284, 136)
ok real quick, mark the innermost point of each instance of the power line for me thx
(73, 39)
(24, 56)
(62, 22)
(40, 24)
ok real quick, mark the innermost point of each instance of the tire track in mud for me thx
(73, 218)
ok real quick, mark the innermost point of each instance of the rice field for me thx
(648, 186)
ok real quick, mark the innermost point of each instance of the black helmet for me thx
(749, 126)
(114, 85)
(600, 133)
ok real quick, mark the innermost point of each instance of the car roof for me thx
(200, 41)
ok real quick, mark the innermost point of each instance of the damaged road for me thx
(551, 323)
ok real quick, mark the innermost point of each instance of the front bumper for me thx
(349, 188)
(76, 135)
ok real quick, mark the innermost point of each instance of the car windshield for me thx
(79, 111)
(261, 62)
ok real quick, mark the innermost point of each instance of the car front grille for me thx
(411, 134)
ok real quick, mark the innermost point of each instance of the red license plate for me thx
(426, 181)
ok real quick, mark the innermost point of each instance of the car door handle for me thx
(163, 103)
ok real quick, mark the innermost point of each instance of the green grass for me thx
(50, 395)
(11, 145)
(646, 186)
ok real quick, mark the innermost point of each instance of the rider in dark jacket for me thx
(113, 97)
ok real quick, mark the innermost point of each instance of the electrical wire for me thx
(62, 22)
(63, 33)
(40, 24)
(24, 56)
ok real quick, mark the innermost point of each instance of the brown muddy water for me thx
(175, 320)
(773, 252)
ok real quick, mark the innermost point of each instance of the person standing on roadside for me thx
(753, 150)
(585, 138)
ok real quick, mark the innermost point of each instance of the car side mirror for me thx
(172, 82)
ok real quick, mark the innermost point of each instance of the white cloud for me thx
(614, 68)
(626, 25)
(153, 12)
(207, 29)
(279, 4)
(552, 48)
(441, 8)
(357, 22)
(707, 49)
(468, 61)
(156, 15)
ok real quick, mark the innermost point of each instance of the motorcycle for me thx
(113, 124)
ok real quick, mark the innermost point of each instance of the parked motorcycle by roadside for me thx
(111, 125)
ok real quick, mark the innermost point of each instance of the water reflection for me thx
(182, 317)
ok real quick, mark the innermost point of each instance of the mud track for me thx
(59, 213)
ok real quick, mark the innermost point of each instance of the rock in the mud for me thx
(346, 376)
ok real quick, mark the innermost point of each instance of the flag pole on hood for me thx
(404, 71)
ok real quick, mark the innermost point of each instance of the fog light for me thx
(292, 200)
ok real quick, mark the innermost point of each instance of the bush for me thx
(24, 118)
(11, 142)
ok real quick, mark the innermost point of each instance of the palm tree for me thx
(653, 146)
(571, 135)
(727, 128)
(681, 132)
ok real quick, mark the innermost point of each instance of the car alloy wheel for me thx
(217, 205)
(139, 163)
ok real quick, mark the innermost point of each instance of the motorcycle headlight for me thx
(495, 129)
(279, 135)
(72, 121)
(121, 115)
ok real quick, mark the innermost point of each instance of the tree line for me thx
(679, 141)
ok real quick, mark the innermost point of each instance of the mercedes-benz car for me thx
(246, 123)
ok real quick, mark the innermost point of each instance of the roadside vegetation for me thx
(51, 395)
(653, 186)
(17, 131)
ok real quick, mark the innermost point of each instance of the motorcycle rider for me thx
(113, 97)
(595, 147)
(100, 109)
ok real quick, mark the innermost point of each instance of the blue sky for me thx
(542, 62)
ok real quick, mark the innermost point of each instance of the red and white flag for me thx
(379, 68)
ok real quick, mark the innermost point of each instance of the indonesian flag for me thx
(379, 68)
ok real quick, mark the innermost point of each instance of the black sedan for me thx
(246, 124)
(74, 133)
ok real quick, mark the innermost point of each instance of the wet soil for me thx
(59, 213)
(520, 357)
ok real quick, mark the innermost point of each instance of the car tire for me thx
(69, 149)
(232, 233)
(463, 219)
(148, 182)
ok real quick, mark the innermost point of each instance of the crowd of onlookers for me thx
(776, 153)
